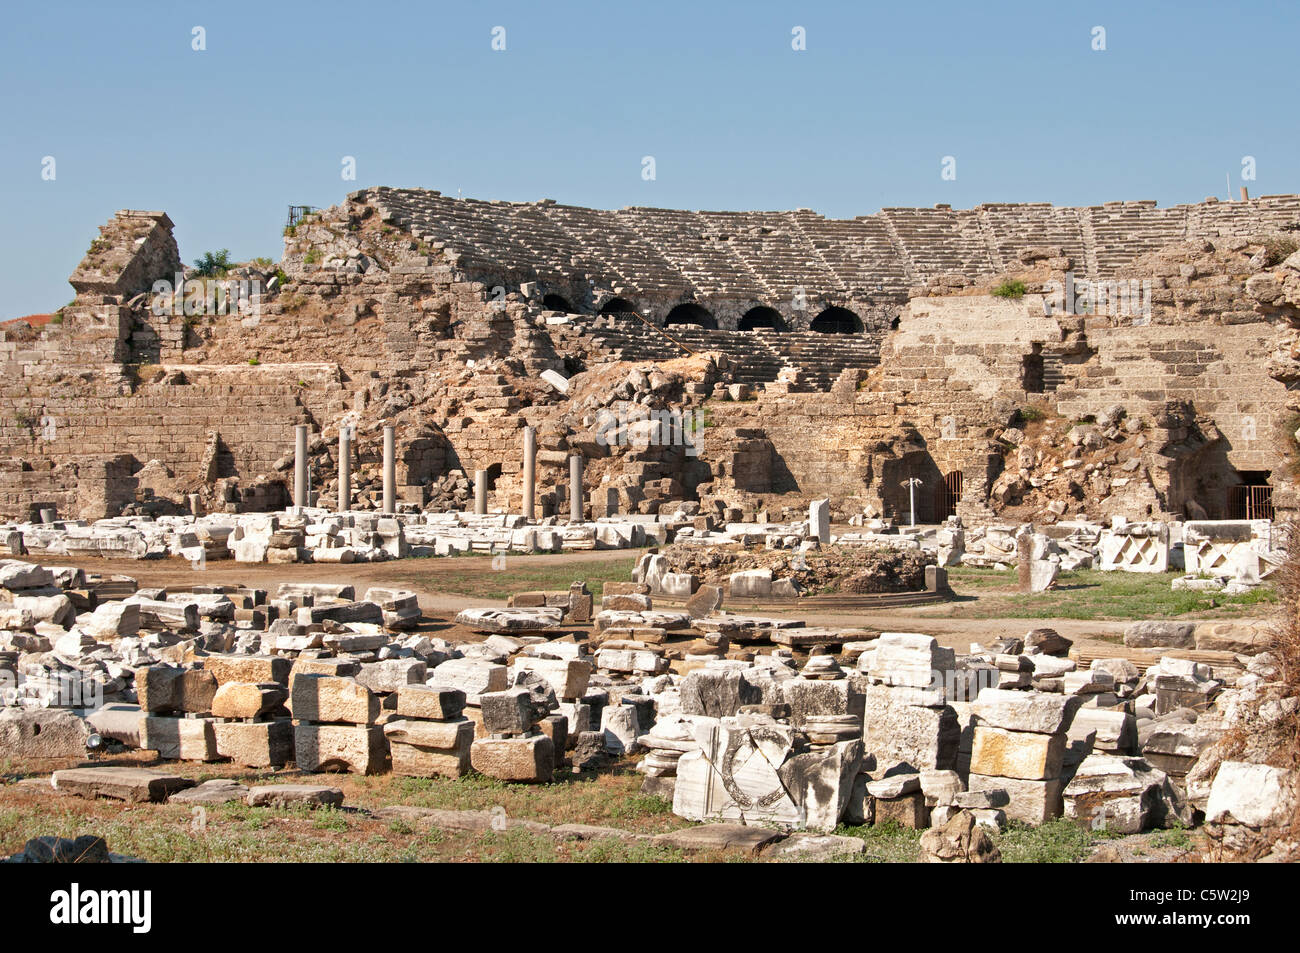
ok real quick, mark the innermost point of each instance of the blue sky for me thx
(225, 138)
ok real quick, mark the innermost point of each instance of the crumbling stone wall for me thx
(439, 316)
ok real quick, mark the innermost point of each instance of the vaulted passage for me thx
(553, 302)
(761, 317)
(617, 306)
(691, 314)
(836, 320)
(1252, 498)
(946, 495)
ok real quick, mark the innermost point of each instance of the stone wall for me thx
(406, 308)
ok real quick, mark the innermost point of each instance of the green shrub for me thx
(213, 264)
(312, 257)
(253, 362)
(1010, 289)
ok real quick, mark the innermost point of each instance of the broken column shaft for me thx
(530, 470)
(300, 465)
(390, 470)
(575, 488)
(345, 469)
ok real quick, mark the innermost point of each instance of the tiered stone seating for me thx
(858, 251)
(1268, 213)
(681, 238)
(942, 241)
(604, 238)
(757, 356)
(769, 256)
(1125, 230)
(1014, 227)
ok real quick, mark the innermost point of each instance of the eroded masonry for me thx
(790, 414)
(745, 361)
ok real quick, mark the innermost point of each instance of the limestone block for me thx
(179, 739)
(162, 688)
(262, 744)
(1252, 794)
(120, 783)
(355, 748)
(1030, 802)
(1117, 795)
(326, 698)
(530, 759)
(430, 749)
(430, 702)
(1042, 712)
(1027, 755)
(258, 669)
(896, 731)
(568, 678)
(471, 676)
(42, 733)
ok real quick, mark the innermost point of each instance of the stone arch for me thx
(618, 306)
(761, 316)
(691, 313)
(836, 320)
(554, 302)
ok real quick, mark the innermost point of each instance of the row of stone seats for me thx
(1017, 226)
(756, 356)
(1124, 230)
(774, 255)
(942, 241)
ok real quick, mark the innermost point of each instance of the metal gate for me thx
(1247, 502)
(946, 495)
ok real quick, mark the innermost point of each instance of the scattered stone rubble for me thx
(734, 718)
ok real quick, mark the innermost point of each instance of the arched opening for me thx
(618, 306)
(761, 317)
(893, 325)
(946, 494)
(554, 302)
(836, 320)
(691, 314)
(1252, 498)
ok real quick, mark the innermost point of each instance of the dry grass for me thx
(236, 832)
(1285, 648)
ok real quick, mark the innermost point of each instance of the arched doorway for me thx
(618, 306)
(691, 313)
(554, 302)
(761, 317)
(1252, 498)
(947, 492)
(836, 320)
